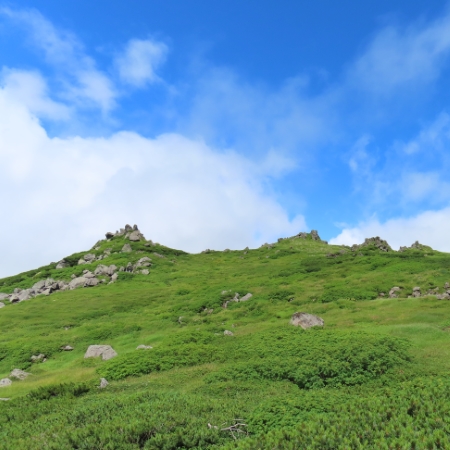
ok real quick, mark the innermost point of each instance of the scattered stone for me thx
(114, 277)
(66, 348)
(4, 296)
(103, 383)
(2, 305)
(77, 283)
(392, 292)
(158, 255)
(416, 291)
(306, 320)
(143, 347)
(135, 236)
(127, 248)
(5, 382)
(105, 351)
(145, 272)
(228, 333)
(246, 297)
(19, 374)
(90, 257)
(144, 262)
(90, 282)
(38, 358)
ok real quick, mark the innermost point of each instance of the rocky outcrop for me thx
(105, 351)
(415, 246)
(305, 320)
(374, 241)
(130, 232)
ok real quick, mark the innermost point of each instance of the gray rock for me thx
(37, 358)
(90, 282)
(109, 235)
(62, 264)
(127, 248)
(39, 285)
(228, 333)
(5, 382)
(143, 347)
(305, 320)
(77, 283)
(114, 277)
(105, 351)
(90, 257)
(88, 274)
(4, 296)
(158, 255)
(103, 383)
(67, 348)
(26, 294)
(392, 292)
(246, 297)
(145, 272)
(144, 262)
(14, 298)
(2, 305)
(135, 236)
(19, 374)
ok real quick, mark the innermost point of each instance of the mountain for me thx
(297, 344)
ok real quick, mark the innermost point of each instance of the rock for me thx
(444, 296)
(4, 296)
(62, 264)
(306, 320)
(135, 236)
(228, 333)
(89, 257)
(145, 272)
(14, 298)
(73, 276)
(114, 277)
(103, 383)
(446, 286)
(2, 305)
(37, 358)
(19, 374)
(392, 292)
(158, 255)
(4, 399)
(374, 241)
(77, 283)
(416, 291)
(144, 262)
(90, 282)
(26, 294)
(105, 351)
(5, 382)
(105, 270)
(67, 348)
(88, 274)
(109, 235)
(143, 347)
(246, 297)
(127, 248)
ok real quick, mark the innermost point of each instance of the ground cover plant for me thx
(375, 376)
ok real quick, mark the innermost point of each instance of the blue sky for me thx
(222, 125)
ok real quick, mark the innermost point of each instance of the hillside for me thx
(224, 369)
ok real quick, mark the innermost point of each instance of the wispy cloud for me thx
(138, 63)
(83, 83)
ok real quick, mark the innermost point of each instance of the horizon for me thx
(222, 126)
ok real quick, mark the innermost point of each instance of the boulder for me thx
(77, 283)
(127, 248)
(228, 333)
(103, 383)
(4, 296)
(2, 305)
(305, 320)
(143, 347)
(145, 272)
(26, 294)
(67, 348)
(37, 358)
(109, 235)
(90, 282)
(39, 285)
(14, 298)
(5, 382)
(114, 277)
(246, 297)
(144, 262)
(19, 374)
(416, 291)
(105, 351)
(135, 236)
(62, 264)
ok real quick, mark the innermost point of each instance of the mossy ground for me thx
(165, 397)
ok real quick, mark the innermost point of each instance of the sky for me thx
(222, 124)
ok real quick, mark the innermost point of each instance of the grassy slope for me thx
(294, 275)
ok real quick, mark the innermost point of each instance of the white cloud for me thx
(429, 227)
(138, 63)
(62, 195)
(30, 89)
(403, 57)
(84, 83)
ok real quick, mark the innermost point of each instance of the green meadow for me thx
(376, 376)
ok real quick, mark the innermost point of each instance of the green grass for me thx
(374, 360)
